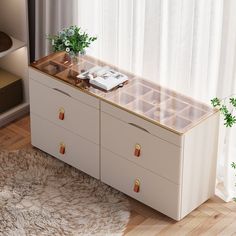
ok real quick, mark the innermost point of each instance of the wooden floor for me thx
(212, 218)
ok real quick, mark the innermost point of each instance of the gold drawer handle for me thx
(62, 148)
(137, 150)
(61, 114)
(137, 186)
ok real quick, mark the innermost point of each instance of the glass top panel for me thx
(160, 105)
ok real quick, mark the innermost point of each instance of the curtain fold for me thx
(50, 17)
(186, 45)
(226, 82)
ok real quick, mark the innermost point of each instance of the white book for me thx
(104, 77)
(108, 83)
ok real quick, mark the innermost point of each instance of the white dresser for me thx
(149, 142)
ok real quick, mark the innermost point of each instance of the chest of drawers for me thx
(149, 142)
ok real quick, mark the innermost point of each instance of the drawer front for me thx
(154, 129)
(51, 82)
(64, 111)
(140, 147)
(154, 191)
(78, 152)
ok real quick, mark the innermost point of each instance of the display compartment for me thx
(174, 105)
(122, 98)
(192, 113)
(138, 89)
(155, 97)
(159, 114)
(68, 75)
(51, 67)
(177, 122)
(82, 66)
(140, 106)
(192, 102)
(66, 60)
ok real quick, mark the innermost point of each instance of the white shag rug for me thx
(40, 195)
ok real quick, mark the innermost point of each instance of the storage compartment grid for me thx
(161, 105)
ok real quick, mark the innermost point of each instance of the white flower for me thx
(67, 43)
(61, 33)
(67, 49)
(70, 32)
(53, 42)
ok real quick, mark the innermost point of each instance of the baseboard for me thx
(13, 114)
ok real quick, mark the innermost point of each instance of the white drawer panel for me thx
(155, 191)
(156, 154)
(51, 82)
(152, 128)
(79, 152)
(80, 118)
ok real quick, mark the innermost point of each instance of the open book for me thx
(104, 77)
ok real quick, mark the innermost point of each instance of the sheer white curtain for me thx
(187, 45)
(175, 43)
(227, 86)
(50, 17)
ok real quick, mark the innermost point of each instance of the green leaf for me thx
(233, 164)
(215, 102)
(230, 120)
(229, 117)
(233, 101)
(224, 110)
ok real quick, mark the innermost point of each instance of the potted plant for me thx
(227, 107)
(72, 40)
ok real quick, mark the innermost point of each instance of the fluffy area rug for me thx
(40, 195)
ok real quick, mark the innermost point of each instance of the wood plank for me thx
(23, 123)
(149, 227)
(221, 225)
(18, 130)
(147, 211)
(15, 135)
(219, 207)
(135, 220)
(229, 230)
(8, 137)
(23, 143)
(206, 223)
(185, 225)
(207, 210)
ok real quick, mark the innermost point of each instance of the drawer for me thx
(154, 129)
(52, 82)
(78, 117)
(156, 155)
(154, 191)
(79, 152)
